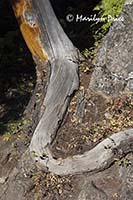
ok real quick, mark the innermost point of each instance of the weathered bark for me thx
(63, 81)
(51, 48)
(97, 159)
(38, 20)
(56, 50)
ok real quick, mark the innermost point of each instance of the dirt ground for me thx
(90, 119)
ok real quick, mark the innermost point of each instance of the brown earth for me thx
(90, 118)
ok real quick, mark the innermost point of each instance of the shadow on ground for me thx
(17, 70)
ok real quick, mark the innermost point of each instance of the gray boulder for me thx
(114, 71)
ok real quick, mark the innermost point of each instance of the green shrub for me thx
(106, 8)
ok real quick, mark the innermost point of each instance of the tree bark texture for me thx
(50, 46)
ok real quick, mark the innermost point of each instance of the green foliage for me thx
(103, 10)
(106, 8)
(34, 154)
(91, 52)
(86, 53)
(14, 127)
(124, 162)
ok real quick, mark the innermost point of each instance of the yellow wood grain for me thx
(31, 34)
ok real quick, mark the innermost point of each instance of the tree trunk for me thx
(53, 51)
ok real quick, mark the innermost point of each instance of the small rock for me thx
(3, 180)
(108, 115)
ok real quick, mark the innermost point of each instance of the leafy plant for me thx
(14, 127)
(107, 8)
(124, 162)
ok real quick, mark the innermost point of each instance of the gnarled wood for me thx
(60, 54)
(95, 160)
(63, 80)
(51, 47)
